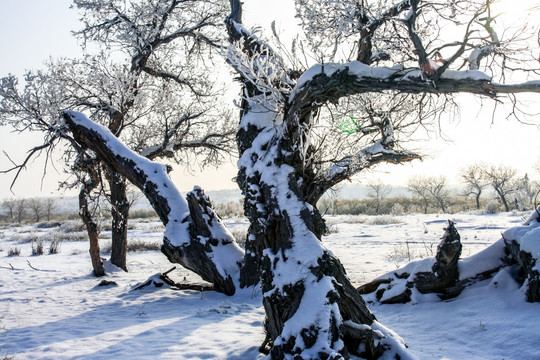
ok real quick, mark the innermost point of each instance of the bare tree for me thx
(292, 150)
(526, 192)
(20, 209)
(50, 205)
(419, 186)
(9, 206)
(152, 93)
(475, 181)
(437, 189)
(378, 191)
(37, 207)
(501, 179)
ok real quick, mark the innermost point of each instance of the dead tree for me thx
(516, 248)
(443, 279)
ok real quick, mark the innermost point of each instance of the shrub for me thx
(72, 226)
(54, 248)
(142, 214)
(15, 251)
(382, 220)
(397, 209)
(73, 236)
(492, 208)
(134, 246)
(37, 248)
(48, 224)
(25, 239)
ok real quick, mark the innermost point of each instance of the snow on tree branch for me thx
(211, 253)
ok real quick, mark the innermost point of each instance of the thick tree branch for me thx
(181, 243)
(369, 26)
(351, 165)
(328, 83)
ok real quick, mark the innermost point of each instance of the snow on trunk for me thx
(312, 310)
(194, 236)
(519, 247)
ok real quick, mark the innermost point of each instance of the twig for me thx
(168, 271)
(9, 268)
(31, 267)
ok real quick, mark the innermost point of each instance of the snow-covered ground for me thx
(51, 306)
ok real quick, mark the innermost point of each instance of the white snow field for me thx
(51, 306)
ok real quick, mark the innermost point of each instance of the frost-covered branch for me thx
(353, 164)
(329, 82)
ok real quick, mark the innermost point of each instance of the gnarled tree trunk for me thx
(198, 240)
(120, 213)
(87, 216)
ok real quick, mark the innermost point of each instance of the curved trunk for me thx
(503, 199)
(197, 239)
(91, 226)
(477, 198)
(312, 309)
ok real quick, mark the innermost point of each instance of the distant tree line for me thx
(21, 209)
(36, 210)
(488, 187)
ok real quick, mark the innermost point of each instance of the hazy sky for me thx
(33, 30)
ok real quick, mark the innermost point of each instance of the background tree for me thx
(20, 209)
(419, 186)
(501, 180)
(526, 192)
(438, 191)
(36, 206)
(142, 79)
(378, 191)
(475, 181)
(9, 206)
(50, 206)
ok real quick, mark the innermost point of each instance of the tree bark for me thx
(120, 214)
(88, 219)
(519, 241)
(198, 240)
(443, 280)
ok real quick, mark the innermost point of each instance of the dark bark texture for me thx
(444, 279)
(194, 251)
(87, 216)
(120, 213)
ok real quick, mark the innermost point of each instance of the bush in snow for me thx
(15, 251)
(37, 247)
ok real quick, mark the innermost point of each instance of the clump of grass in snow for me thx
(135, 246)
(406, 252)
(332, 229)
(14, 251)
(25, 239)
(54, 248)
(37, 247)
(383, 220)
(71, 236)
(72, 226)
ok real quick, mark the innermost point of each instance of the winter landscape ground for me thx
(51, 306)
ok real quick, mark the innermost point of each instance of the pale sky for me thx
(33, 30)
